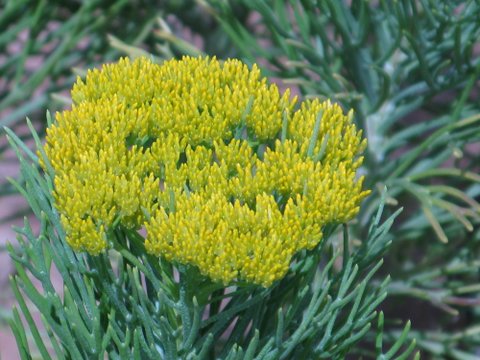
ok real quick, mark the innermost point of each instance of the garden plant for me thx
(276, 180)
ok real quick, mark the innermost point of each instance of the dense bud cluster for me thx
(223, 171)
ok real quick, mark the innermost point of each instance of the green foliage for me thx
(127, 304)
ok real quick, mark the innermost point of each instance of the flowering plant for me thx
(188, 207)
(408, 69)
(217, 166)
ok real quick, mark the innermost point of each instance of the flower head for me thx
(220, 168)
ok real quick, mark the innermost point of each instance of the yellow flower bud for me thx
(197, 151)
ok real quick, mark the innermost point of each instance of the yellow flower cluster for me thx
(223, 171)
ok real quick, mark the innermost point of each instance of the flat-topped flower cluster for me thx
(223, 171)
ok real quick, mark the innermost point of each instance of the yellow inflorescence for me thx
(215, 163)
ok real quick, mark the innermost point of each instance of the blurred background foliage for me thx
(409, 68)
